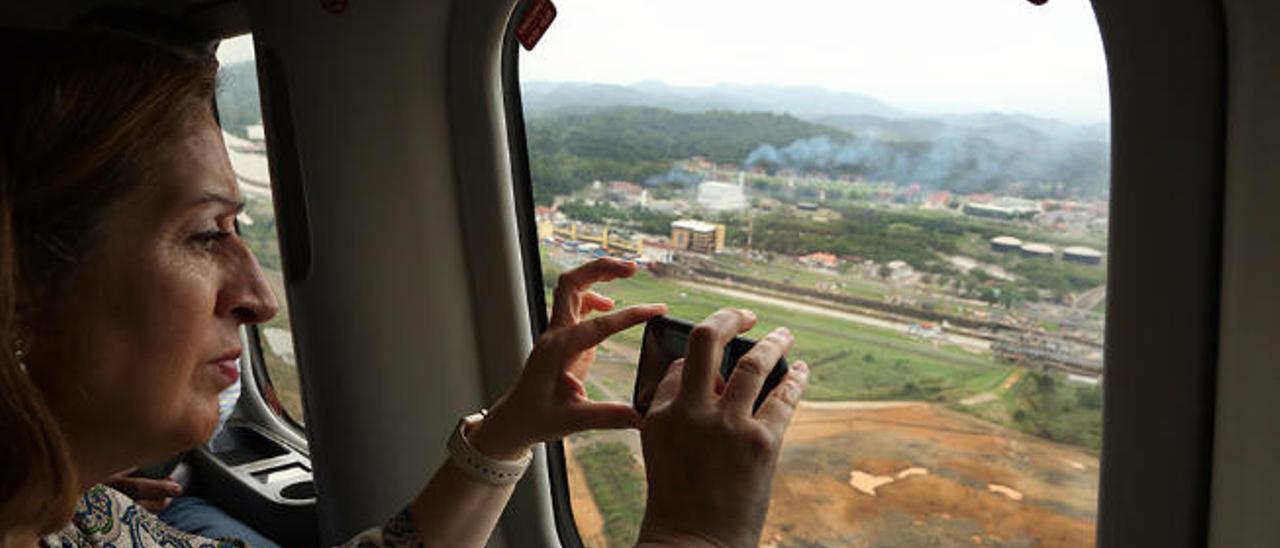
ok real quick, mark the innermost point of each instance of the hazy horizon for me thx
(926, 56)
(905, 112)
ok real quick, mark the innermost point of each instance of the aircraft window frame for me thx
(1170, 490)
(522, 188)
(267, 397)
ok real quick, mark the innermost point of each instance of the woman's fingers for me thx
(706, 349)
(777, 409)
(753, 368)
(587, 334)
(572, 282)
(145, 488)
(593, 302)
(609, 415)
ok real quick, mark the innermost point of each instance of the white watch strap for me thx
(481, 466)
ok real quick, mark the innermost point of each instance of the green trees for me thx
(641, 220)
(567, 150)
(238, 105)
(1048, 406)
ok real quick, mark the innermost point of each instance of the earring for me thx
(20, 353)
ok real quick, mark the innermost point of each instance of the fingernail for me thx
(175, 489)
(783, 331)
(800, 366)
(750, 315)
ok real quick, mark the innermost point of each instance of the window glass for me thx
(240, 113)
(918, 189)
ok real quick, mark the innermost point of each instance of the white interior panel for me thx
(383, 324)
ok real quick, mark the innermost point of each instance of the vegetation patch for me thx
(617, 487)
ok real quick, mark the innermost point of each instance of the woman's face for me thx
(145, 336)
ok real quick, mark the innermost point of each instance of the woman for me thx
(123, 286)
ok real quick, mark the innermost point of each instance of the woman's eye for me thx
(209, 238)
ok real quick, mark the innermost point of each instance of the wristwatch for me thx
(478, 465)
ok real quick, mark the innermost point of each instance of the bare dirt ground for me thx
(953, 504)
(955, 479)
(585, 512)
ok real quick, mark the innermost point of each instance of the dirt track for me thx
(585, 512)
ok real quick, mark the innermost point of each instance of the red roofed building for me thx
(625, 187)
(941, 198)
(820, 259)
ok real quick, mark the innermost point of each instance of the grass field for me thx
(851, 361)
(848, 360)
(617, 487)
(847, 284)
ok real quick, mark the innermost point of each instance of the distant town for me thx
(1039, 327)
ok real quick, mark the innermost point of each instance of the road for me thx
(1090, 298)
(984, 397)
(971, 343)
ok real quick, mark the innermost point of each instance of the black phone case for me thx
(642, 394)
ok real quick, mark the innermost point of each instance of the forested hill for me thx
(994, 153)
(568, 150)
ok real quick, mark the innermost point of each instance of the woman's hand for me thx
(709, 460)
(550, 401)
(152, 494)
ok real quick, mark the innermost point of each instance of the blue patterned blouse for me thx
(106, 518)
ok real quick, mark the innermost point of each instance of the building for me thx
(1004, 208)
(987, 211)
(820, 260)
(717, 197)
(626, 193)
(1038, 251)
(545, 217)
(900, 271)
(1005, 244)
(256, 132)
(697, 236)
(657, 251)
(938, 200)
(1082, 255)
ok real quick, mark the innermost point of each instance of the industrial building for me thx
(1038, 250)
(718, 197)
(1004, 208)
(1005, 244)
(988, 211)
(1082, 255)
(697, 236)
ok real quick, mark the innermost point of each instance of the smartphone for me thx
(665, 340)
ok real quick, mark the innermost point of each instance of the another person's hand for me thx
(709, 459)
(550, 400)
(154, 495)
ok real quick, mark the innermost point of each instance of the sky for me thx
(235, 50)
(928, 56)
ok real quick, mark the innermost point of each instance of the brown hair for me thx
(80, 115)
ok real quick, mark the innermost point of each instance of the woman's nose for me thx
(249, 298)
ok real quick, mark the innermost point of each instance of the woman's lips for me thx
(229, 369)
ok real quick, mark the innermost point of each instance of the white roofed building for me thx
(717, 197)
(697, 236)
